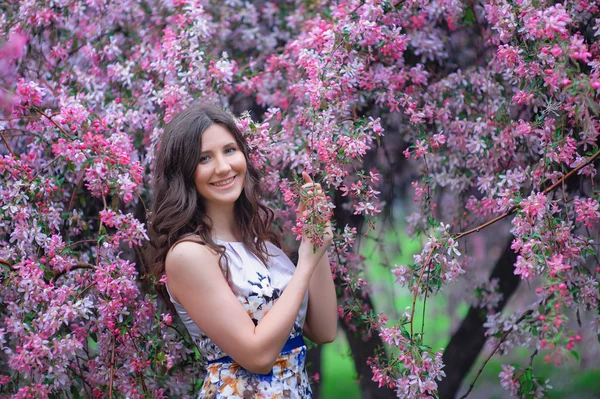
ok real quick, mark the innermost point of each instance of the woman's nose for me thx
(222, 166)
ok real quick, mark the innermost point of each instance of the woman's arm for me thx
(321, 317)
(196, 281)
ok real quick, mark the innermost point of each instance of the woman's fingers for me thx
(306, 177)
(309, 188)
(308, 183)
(301, 207)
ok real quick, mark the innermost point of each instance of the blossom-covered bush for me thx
(87, 87)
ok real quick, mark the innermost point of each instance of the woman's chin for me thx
(225, 199)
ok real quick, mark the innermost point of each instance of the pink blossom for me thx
(525, 268)
(508, 381)
(14, 47)
(522, 97)
(587, 211)
(535, 206)
(557, 266)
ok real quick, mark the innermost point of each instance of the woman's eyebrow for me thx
(225, 146)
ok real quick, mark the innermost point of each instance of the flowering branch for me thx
(308, 66)
(515, 208)
(572, 172)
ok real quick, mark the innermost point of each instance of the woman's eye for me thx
(230, 150)
(204, 159)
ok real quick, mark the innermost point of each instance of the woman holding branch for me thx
(243, 301)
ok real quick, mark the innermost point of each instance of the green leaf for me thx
(575, 354)
(74, 392)
(526, 381)
(406, 335)
(469, 16)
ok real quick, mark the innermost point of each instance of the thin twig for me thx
(533, 355)
(502, 339)
(7, 145)
(425, 303)
(67, 135)
(571, 173)
(73, 268)
(142, 263)
(425, 265)
(79, 242)
(85, 289)
(112, 369)
(77, 187)
(477, 229)
(140, 375)
(41, 170)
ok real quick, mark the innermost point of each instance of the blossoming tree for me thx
(496, 102)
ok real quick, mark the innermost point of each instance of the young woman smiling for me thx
(242, 300)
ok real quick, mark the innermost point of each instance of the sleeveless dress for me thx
(257, 288)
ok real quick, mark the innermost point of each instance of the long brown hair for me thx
(177, 211)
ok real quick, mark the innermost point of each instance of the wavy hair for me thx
(177, 210)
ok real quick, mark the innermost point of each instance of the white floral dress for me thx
(257, 288)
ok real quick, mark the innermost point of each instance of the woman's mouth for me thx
(226, 183)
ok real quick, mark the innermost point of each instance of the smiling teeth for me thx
(224, 183)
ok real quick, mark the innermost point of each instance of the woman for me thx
(239, 295)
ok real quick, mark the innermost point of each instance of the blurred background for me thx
(444, 313)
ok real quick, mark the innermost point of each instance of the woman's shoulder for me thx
(191, 249)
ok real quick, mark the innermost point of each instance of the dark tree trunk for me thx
(467, 342)
(313, 366)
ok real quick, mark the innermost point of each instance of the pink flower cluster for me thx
(522, 383)
(415, 372)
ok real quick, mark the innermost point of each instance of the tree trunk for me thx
(467, 342)
(313, 366)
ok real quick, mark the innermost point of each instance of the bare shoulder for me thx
(187, 255)
(187, 249)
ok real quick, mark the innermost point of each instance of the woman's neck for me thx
(223, 221)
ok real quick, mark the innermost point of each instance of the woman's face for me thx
(220, 174)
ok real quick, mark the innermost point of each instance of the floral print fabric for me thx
(288, 379)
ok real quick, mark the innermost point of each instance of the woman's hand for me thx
(308, 251)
